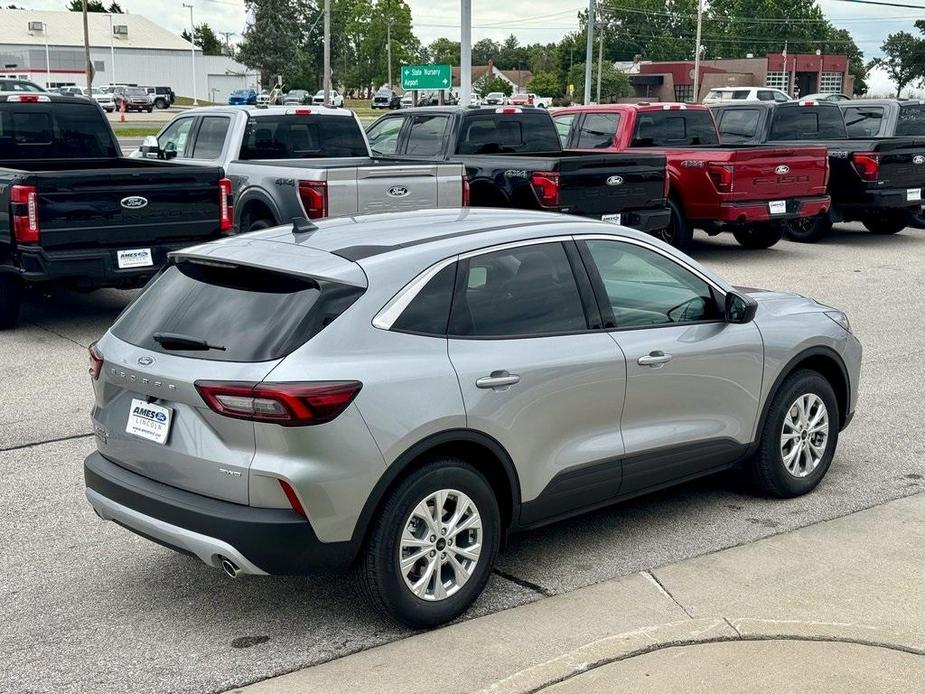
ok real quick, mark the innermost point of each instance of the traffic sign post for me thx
(426, 77)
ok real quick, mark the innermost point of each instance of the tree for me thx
(272, 43)
(489, 83)
(92, 6)
(114, 8)
(205, 38)
(902, 59)
(546, 84)
(614, 83)
(484, 50)
(443, 52)
(511, 55)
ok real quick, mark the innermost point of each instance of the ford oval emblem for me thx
(782, 170)
(918, 159)
(398, 191)
(615, 181)
(134, 202)
(145, 361)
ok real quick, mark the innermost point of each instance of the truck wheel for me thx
(887, 221)
(432, 545)
(10, 300)
(679, 232)
(809, 229)
(759, 235)
(259, 224)
(917, 220)
(161, 103)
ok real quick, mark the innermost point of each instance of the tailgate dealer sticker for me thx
(913, 194)
(148, 421)
(777, 207)
(136, 257)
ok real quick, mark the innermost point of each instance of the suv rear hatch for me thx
(155, 411)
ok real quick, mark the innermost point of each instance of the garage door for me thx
(220, 86)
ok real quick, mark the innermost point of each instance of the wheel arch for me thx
(254, 201)
(480, 450)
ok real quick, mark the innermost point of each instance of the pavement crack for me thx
(662, 589)
(524, 583)
(56, 334)
(732, 626)
(42, 443)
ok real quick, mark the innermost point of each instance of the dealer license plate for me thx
(136, 257)
(612, 218)
(777, 207)
(148, 421)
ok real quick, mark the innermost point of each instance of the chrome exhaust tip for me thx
(229, 567)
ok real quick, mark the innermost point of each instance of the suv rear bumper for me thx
(256, 540)
(759, 210)
(98, 267)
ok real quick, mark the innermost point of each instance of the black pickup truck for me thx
(876, 180)
(74, 210)
(514, 158)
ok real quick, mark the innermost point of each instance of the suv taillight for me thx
(721, 175)
(287, 404)
(546, 185)
(314, 196)
(225, 206)
(465, 191)
(25, 213)
(96, 362)
(867, 165)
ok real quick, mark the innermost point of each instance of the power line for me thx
(885, 4)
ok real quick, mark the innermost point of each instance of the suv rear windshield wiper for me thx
(178, 341)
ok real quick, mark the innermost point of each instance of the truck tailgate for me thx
(597, 184)
(393, 187)
(902, 162)
(778, 173)
(126, 206)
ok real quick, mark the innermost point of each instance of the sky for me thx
(530, 20)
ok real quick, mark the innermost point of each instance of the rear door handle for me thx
(655, 359)
(497, 379)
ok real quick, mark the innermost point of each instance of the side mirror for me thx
(740, 308)
(169, 151)
(150, 148)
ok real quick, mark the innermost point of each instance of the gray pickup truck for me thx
(302, 162)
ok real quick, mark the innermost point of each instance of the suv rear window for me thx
(256, 315)
(911, 120)
(303, 137)
(674, 128)
(54, 131)
(493, 133)
(807, 123)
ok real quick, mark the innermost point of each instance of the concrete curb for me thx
(694, 632)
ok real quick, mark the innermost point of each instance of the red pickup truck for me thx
(748, 190)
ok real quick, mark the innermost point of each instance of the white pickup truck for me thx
(302, 161)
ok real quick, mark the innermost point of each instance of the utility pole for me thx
(112, 51)
(696, 98)
(327, 52)
(589, 52)
(227, 35)
(465, 52)
(47, 61)
(388, 47)
(89, 67)
(600, 55)
(192, 40)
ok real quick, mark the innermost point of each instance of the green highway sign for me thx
(426, 77)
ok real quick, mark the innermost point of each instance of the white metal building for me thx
(48, 48)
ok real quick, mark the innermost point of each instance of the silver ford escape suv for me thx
(397, 393)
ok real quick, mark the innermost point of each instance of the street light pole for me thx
(465, 52)
(112, 51)
(388, 47)
(600, 58)
(47, 61)
(327, 53)
(89, 64)
(697, 52)
(589, 52)
(192, 36)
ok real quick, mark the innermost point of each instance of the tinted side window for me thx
(517, 292)
(598, 130)
(645, 288)
(425, 137)
(383, 136)
(911, 120)
(863, 121)
(429, 311)
(505, 133)
(661, 128)
(807, 123)
(765, 95)
(211, 137)
(739, 125)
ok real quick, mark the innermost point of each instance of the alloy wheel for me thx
(440, 544)
(804, 435)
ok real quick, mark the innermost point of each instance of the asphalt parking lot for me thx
(87, 606)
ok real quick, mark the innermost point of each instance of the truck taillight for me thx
(546, 185)
(721, 175)
(465, 191)
(25, 213)
(225, 206)
(314, 197)
(287, 404)
(867, 165)
(96, 362)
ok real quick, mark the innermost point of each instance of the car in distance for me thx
(15, 85)
(104, 98)
(242, 97)
(161, 97)
(386, 98)
(826, 96)
(496, 99)
(337, 99)
(437, 380)
(723, 94)
(407, 100)
(71, 90)
(133, 99)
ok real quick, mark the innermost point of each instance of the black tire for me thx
(11, 288)
(809, 229)
(161, 103)
(679, 232)
(887, 221)
(758, 236)
(917, 220)
(149, 109)
(379, 572)
(768, 467)
(259, 224)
